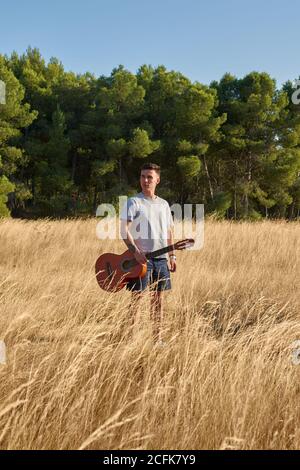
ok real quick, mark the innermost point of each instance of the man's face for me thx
(149, 179)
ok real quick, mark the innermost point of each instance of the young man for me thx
(146, 226)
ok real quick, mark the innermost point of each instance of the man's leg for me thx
(162, 282)
(133, 309)
(136, 286)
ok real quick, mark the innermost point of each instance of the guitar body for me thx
(113, 271)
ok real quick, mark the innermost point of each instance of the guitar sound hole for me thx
(127, 264)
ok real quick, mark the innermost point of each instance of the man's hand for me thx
(140, 257)
(172, 265)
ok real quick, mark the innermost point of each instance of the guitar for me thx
(114, 271)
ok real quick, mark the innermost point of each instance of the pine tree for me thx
(256, 159)
(14, 116)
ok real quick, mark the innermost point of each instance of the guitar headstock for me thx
(183, 244)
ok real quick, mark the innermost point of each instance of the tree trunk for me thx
(33, 189)
(74, 165)
(235, 204)
(120, 170)
(292, 209)
(95, 199)
(249, 179)
(208, 178)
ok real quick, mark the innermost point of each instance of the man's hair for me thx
(151, 166)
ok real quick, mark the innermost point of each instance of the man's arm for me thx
(171, 240)
(126, 235)
(129, 241)
(172, 256)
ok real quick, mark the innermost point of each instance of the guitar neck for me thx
(159, 252)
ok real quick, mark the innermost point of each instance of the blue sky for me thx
(201, 39)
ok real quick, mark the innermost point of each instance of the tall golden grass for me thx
(74, 380)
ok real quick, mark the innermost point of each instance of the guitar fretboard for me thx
(161, 251)
(152, 254)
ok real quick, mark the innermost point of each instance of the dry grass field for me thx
(74, 380)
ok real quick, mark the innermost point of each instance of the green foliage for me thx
(257, 158)
(222, 202)
(141, 146)
(103, 168)
(14, 116)
(5, 188)
(189, 167)
(116, 148)
(69, 142)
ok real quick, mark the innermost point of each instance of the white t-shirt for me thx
(151, 219)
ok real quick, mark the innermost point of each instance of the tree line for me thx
(69, 142)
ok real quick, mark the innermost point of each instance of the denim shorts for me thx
(157, 276)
